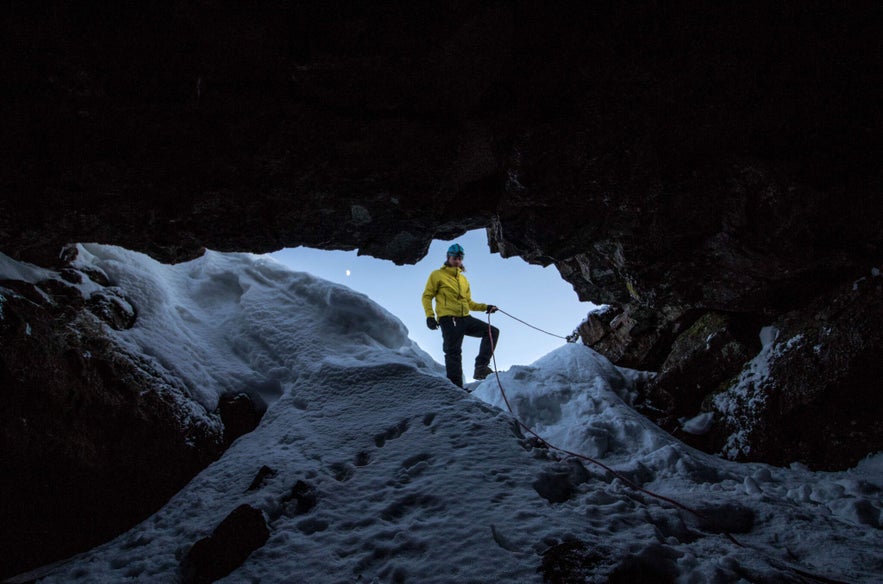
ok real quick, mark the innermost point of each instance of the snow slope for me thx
(418, 481)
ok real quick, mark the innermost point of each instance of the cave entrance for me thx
(535, 294)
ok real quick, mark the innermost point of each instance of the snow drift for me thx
(416, 480)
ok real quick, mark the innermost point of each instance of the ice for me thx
(418, 481)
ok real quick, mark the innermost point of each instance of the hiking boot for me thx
(482, 371)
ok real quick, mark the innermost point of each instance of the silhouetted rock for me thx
(264, 473)
(571, 562)
(653, 565)
(240, 413)
(215, 556)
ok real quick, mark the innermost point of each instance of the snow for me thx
(418, 481)
(742, 402)
(573, 397)
(240, 322)
(699, 424)
(11, 269)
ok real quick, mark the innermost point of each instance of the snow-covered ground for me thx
(418, 481)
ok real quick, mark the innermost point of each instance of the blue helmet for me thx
(456, 250)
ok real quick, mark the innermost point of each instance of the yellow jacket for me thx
(450, 289)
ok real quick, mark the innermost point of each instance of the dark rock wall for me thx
(821, 400)
(92, 440)
(648, 144)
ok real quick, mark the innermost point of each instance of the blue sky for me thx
(532, 293)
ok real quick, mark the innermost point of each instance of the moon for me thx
(347, 273)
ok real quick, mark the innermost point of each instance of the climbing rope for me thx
(628, 482)
(571, 338)
(600, 464)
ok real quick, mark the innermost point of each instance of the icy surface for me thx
(418, 481)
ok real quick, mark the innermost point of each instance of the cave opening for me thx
(538, 295)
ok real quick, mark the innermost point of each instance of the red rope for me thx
(551, 446)
(627, 481)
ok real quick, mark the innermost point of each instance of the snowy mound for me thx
(573, 397)
(234, 322)
(417, 481)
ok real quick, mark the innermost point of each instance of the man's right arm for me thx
(428, 294)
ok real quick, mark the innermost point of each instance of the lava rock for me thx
(112, 307)
(86, 431)
(241, 413)
(634, 336)
(571, 562)
(557, 483)
(264, 473)
(597, 325)
(819, 401)
(656, 564)
(240, 533)
(702, 358)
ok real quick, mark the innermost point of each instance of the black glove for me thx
(491, 309)
(431, 323)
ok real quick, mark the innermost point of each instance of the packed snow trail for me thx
(418, 481)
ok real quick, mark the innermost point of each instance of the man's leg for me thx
(477, 328)
(452, 333)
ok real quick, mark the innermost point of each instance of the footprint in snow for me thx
(412, 503)
(390, 434)
(341, 471)
(412, 468)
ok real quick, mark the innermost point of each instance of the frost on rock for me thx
(742, 404)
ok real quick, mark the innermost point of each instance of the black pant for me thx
(454, 328)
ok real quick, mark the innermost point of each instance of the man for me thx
(453, 301)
